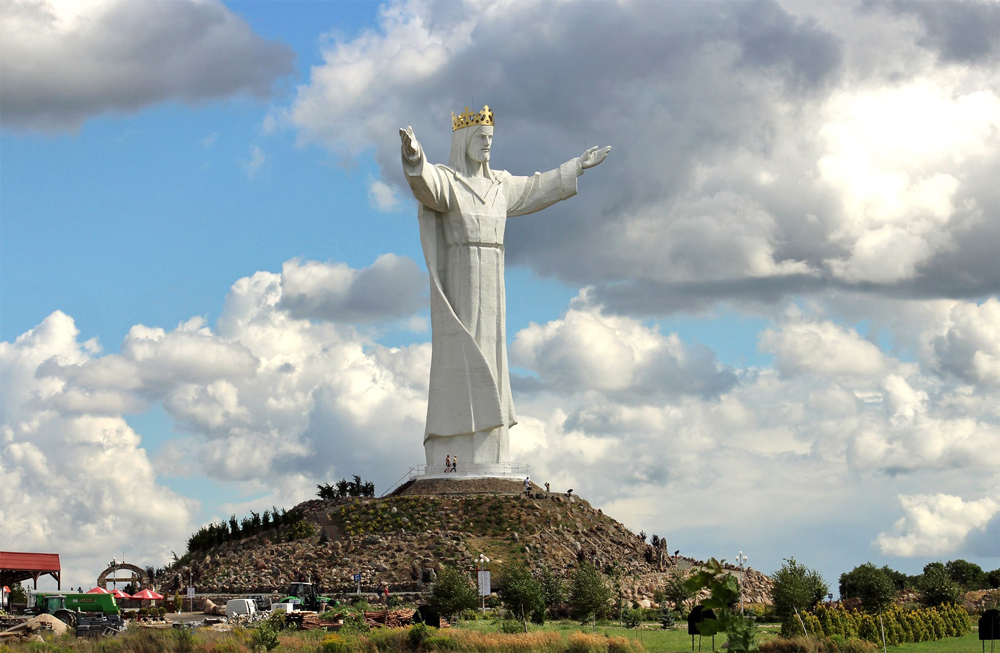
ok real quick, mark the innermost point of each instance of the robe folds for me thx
(462, 223)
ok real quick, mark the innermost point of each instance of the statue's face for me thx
(479, 145)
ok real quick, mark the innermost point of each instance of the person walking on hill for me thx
(454, 463)
(447, 463)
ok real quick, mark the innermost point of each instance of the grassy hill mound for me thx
(404, 540)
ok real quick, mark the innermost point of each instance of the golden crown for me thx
(469, 119)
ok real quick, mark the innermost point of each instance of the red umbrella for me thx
(98, 590)
(118, 594)
(147, 595)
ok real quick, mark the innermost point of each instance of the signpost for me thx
(357, 579)
(484, 579)
(190, 595)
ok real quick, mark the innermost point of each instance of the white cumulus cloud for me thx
(937, 525)
(65, 62)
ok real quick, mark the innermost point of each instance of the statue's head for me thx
(471, 140)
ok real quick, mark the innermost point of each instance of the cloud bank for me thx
(65, 62)
(761, 150)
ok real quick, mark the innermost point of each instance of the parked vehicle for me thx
(262, 602)
(240, 607)
(307, 594)
(103, 603)
(89, 614)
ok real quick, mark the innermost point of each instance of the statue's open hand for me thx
(594, 156)
(411, 147)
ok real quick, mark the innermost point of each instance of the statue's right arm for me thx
(429, 185)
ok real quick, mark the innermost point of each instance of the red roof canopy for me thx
(17, 566)
(29, 561)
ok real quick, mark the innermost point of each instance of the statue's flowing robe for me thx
(462, 224)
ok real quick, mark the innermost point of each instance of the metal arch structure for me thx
(139, 575)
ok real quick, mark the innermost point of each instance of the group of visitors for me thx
(450, 463)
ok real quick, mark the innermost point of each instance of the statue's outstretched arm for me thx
(428, 184)
(411, 147)
(593, 156)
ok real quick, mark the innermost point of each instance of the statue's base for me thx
(470, 470)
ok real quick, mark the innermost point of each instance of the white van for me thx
(236, 607)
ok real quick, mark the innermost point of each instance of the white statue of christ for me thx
(464, 207)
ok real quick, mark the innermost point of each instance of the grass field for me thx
(652, 639)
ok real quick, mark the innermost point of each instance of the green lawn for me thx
(657, 640)
(653, 638)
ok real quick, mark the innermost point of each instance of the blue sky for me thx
(768, 322)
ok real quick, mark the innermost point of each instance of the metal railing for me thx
(468, 470)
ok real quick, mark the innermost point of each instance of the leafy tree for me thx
(873, 586)
(675, 591)
(553, 588)
(936, 586)
(724, 592)
(870, 584)
(994, 578)
(17, 594)
(452, 593)
(796, 587)
(968, 575)
(900, 580)
(521, 594)
(589, 594)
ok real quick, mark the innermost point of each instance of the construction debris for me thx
(43, 622)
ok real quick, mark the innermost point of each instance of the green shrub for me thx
(510, 626)
(631, 618)
(452, 593)
(183, 640)
(264, 636)
(417, 634)
(354, 623)
(335, 643)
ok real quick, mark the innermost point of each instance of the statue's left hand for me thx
(594, 156)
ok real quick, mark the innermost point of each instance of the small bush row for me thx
(922, 625)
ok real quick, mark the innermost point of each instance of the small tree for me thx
(666, 617)
(452, 593)
(675, 591)
(17, 594)
(937, 587)
(993, 578)
(589, 594)
(521, 594)
(796, 587)
(553, 588)
(873, 586)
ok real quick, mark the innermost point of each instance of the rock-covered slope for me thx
(404, 540)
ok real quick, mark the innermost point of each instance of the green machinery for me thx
(307, 594)
(103, 603)
(89, 614)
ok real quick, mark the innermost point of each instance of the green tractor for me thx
(306, 596)
(55, 605)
